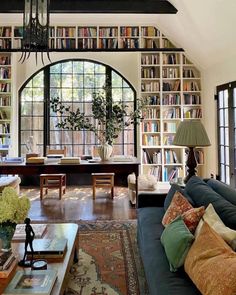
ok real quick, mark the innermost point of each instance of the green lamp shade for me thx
(191, 133)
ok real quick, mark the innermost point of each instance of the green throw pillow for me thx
(177, 240)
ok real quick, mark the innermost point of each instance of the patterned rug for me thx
(109, 262)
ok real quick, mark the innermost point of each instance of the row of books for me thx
(150, 86)
(150, 59)
(87, 43)
(169, 127)
(191, 86)
(5, 73)
(151, 113)
(172, 113)
(151, 157)
(150, 43)
(5, 101)
(151, 140)
(5, 43)
(170, 58)
(66, 32)
(3, 115)
(193, 113)
(87, 32)
(5, 31)
(151, 126)
(150, 31)
(129, 43)
(170, 157)
(156, 172)
(192, 98)
(171, 99)
(171, 86)
(65, 43)
(188, 73)
(151, 72)
(151, 100)
(170, 174)
(129, 31)
(108, 43)
(5, 60)
(4, 128)
(170, 72)
(5, 87)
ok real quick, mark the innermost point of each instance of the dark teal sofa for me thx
(151, 209)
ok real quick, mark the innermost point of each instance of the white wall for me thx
(216, 75)
(126, 63)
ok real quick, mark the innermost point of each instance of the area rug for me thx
(109, 261)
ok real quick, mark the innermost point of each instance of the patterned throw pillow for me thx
(211, 264)
(192, 217)
(178, 206)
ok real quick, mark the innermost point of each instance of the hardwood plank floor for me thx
(78, 204)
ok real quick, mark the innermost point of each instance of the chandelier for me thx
(35, 29)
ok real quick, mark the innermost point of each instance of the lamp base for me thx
(191, 164)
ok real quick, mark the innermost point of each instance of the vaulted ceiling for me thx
(204, 28)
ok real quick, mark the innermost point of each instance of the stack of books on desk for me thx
(35, 160)
(7, 263)
(70, 160)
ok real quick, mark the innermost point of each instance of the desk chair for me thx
(48, 181)
(103, 180)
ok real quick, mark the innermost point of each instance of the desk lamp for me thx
(191, 133)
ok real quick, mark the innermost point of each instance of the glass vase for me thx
(7, 230)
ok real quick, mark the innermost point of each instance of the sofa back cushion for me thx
(203, 195)
(211, 264)
(223, 189)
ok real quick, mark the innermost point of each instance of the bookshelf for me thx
(171, 89)
(91, 37)
(5, 102)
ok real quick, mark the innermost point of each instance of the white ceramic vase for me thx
(105, 151)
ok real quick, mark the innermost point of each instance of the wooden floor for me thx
(78, 204)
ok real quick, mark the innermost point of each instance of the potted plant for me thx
(110, 119)
(13, 209)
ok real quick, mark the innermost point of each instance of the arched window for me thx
(74, 82)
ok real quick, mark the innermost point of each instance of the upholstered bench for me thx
(13, 181)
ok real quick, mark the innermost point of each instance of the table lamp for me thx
(191, 133)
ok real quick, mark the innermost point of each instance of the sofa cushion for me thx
(211, 217)
(203, 195)
(223, 189)
(211, 267)
(177, 240)
(178, 205)
(175, 187)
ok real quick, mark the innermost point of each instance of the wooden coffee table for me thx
(60, 230)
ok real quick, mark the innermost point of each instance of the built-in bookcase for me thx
(171, 89)
(92, 37)
(5, 103)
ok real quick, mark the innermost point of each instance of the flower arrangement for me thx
(13, 209)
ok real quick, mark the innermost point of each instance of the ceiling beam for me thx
(97, 6)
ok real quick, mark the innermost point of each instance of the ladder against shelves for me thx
(171, 89)
(5, 103)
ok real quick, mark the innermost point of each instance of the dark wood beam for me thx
(97, 6)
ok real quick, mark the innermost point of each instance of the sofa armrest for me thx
(150, 200)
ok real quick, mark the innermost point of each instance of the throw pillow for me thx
(175, 187)
(192, 217)
(177, 240)
(211, 264)
(178, 206)
(212, 218)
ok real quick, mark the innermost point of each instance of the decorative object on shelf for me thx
(191, 133)
(108, 120)
(29, 237)
(13, 209)
(35, 29)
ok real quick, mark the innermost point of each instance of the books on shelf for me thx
(39, 230)
(37, 282)
(49, 248)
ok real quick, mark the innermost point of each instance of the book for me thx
(38, 229)
(6, 259)
(5, 273)
(37, 282)
(49, 248)
(70, 160)
(14, 160)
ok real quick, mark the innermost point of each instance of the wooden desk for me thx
(122, 168)
(62, 230)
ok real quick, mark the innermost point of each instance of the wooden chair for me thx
(48, 181)
(103, 180)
